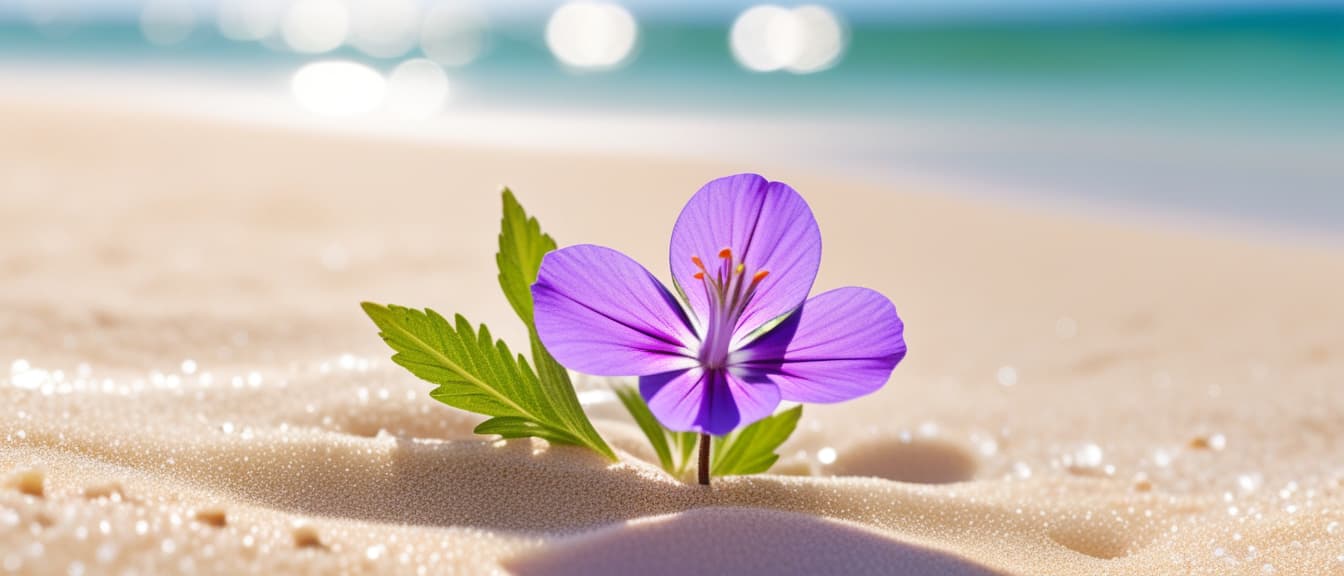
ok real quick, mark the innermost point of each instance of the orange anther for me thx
(760, 275)
(726, 253)
(699, 275)
(698, 264)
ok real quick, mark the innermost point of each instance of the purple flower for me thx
(745, 252)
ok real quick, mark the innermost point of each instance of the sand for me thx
(187, 383)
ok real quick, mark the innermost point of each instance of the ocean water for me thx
(1225, 113)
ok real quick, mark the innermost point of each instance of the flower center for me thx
(727, 290)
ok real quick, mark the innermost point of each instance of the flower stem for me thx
(704, 459)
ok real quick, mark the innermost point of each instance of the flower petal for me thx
(713, 402)
(767, 225)
(676, 397)
(841, 344)
(599, 312)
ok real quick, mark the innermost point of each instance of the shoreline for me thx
(920, 153)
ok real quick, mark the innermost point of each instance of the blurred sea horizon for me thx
(1220, 111)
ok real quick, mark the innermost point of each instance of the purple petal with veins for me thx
(710, 401)
(599, 312)
(744, 252)
(766, 227)
(840, 345)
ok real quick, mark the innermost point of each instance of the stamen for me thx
(727, 294)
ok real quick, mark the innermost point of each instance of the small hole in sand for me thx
(111, 491)
(212, 517)
(30, 482)
(918, 460)
(306, 536)
(1095, 541)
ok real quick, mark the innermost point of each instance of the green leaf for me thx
(479, 374)
(674, 449)
(685, 444)
(515, 427)
(648, 424)
(751, 450)
(522, 245)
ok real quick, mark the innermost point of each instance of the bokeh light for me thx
(338, 88)
(1054, 78)
(417, 89)
(53, 19)
(802, 40)
(821, 39)
(453, 34)
(167, 22)
(762, 36)
(316, 26)
(249, 20)
(592, 35)
(384, 28)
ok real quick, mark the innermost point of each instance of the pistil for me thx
(727, 295)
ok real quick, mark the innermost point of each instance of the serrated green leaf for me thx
(522, 245)
(751, 450)
(515, 427)
(479, 374)
(648, 424)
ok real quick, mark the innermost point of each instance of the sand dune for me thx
(738, 541)
(187, 382)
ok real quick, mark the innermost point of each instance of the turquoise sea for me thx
(1223, 112)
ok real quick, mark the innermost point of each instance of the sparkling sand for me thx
(187, 383)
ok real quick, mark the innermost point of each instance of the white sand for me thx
(188, 382)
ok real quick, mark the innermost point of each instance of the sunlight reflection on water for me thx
(592, 35)
(801, 40)
(338, 88)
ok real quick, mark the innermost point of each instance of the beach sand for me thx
(188, 384)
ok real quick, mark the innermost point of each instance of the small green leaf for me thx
(685, 443)
(479, 374)
(751, 450)
(522, 245)
(648, 424)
